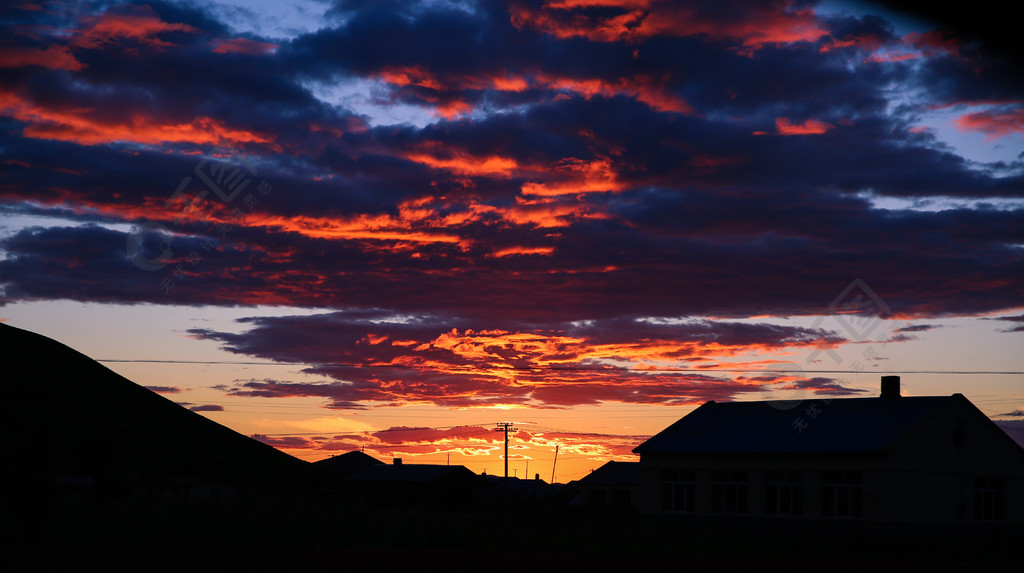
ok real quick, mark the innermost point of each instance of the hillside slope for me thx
(64, 414)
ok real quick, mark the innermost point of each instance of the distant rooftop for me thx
(614, 473)
(413, 473)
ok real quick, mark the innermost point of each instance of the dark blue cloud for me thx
(701, 176)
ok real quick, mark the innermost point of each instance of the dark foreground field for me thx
(290, 534)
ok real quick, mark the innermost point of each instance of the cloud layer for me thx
(575, 181)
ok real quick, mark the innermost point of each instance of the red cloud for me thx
(647, 90)
(573, 176)
(866, 43)
(243, 46)
(438, 90)
(54, 57)
(809, 127)
(751, 25)
(141, 25)
(934, 42)
(624, 361)
(917, 45)
(993, 123)
(404, 435)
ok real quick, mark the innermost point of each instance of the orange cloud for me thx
(498, 349)
(647, 90)
(547, 214)
(575, 176)
(362, 227)
(511, 251)
(86, 127)
(809, 127)
(570, 176)
(462, 163)
(510, 83)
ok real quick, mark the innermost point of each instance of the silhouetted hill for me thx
(66, 418)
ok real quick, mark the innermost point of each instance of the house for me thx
(331, 473)
(614, 486)
(416, 485)
(498, 490)
(893, 458)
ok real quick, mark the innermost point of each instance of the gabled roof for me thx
(614, 473)
(414, 473)
(346, 464)
(813, 426)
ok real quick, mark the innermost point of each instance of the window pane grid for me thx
(729, 491)
(783, 493)
(842, 494)
(678, 490)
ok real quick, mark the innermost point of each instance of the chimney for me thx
(890, 386)
(398, 461)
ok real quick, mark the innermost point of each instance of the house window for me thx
(989, 498)
(842, 494)
(783, 493)
(678, 490)
(729, 491)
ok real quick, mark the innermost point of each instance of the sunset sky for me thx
(391, 224)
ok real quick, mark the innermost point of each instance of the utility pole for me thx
(553, 463)
(505, 427)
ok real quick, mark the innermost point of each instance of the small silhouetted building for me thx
(331, 472)
(935, 459)
(615, 486)
(497, 490)
(416, 485)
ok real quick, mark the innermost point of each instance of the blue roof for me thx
(811, 426)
